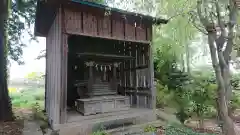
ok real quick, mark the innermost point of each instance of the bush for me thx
(163, 95)
(27, 97)
(39, 97)
(39, 116)
(100, 133)
(182, 131)
(150, 128)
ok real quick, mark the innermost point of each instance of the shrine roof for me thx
(46, 11)
(154, 20)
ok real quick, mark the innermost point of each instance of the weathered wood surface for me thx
(53, 69)
(113, 26)
(134, 75)
(64, 69)
(102, 104)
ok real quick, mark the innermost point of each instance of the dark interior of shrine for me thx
(83, 48)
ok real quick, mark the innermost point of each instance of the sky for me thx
(33, 49)
(30, 53)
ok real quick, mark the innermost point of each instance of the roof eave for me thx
(154, 20)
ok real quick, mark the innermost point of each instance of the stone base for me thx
(102, 104)
(85, 125)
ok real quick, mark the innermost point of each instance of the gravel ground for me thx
(11, 128)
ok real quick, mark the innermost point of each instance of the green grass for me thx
(27, 97)
(172, 130)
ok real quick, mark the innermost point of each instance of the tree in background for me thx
(15, 17)
(218, 18)
(35, 76)
(5, 105)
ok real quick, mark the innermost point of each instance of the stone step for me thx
(117, 122)
(137, 129)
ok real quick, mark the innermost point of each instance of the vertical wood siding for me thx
(136, 75)
(113, 26)
(53, 59)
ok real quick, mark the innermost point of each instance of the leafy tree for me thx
(202, 96)
(181, 96)
(217, 20)
(15, 16)
(178, 33)
(172, 87)
(35, 76)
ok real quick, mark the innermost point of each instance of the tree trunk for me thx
(188, 58)
(5, 102)
(227, 122)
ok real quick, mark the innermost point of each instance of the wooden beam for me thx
(104, 56)
(151, 73)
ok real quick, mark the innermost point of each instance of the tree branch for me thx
(192, 20)
(203, 20)
(232, 23)
(220, 20)
(201, 30)
(181, 12)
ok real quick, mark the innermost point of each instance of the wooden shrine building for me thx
(99, 65)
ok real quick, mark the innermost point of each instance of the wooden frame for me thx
(134, 36)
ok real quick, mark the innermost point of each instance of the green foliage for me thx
(171, 130)
(39, 97)
(40, 117)
(150, 128)
(26, 98)
(203, 95)
(35, 76)
(163, 95)
(191, 95)
(101, 132)
(21, 18)
(235, 81)
(235, 101)
(181, 96)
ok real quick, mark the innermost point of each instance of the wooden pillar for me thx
(64, 72)
(115, 66)
(151, 78)
(90, 79)
(64, 65)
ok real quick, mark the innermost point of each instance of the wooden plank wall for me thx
(113, 26)
(135, 77)
(53, 69)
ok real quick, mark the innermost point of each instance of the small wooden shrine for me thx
(99, 64)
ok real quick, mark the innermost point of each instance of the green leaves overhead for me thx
(21, 17)
(173, 39)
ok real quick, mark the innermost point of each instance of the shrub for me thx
(150, 128)
(39, 97)
(170, 130)
(40, 117)
(27, 97)
(102, 132)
